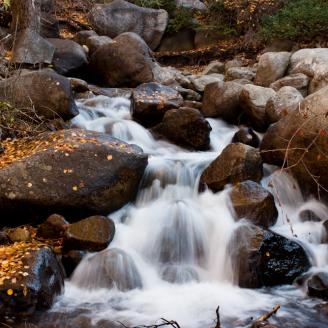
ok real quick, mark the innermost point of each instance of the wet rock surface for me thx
(35, 278)
(185, 127)
(246, 136)
(87, 172)
(236, 163)
(264, 258)
(91, 234)
(150, 101)
(254, 203)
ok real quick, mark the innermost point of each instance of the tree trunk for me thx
(25, 14)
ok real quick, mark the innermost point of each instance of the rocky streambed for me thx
(159, 193)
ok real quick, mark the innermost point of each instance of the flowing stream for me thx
(172, 242)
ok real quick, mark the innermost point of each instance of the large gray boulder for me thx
(72, 172)
(299, 141)
(120, 16)
(222, 99)
(272, 66)
(126, 62)
(49, 93)
(253, 100)
(286, 100)
(298, 81)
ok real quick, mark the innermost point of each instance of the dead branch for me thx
(269, 314)
(165, 322)
(218, 321)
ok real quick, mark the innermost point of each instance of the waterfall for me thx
(171, 248)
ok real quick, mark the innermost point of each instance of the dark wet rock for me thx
(179, 274)
(52, 228)
(298, 81)
(95, 42)
(264, 258)
(120, 16)
(150, 101)
(308, 215)
(20, 234)
(181, 41)
(246, 136)
(91, 234)
(81, 37)
(311, 122)
(222, 99)
(253, 100)
(236, 163)
(254, 203)
(48, 92)
(110, 268)
(84, 173)
(236, 73)
(286, 100)
(185, 127)
(272, 66)
(31, 48)
(317, 285)
(40, 281)
(71, 260)
(69, 57)
(188, 94)
(127, 62)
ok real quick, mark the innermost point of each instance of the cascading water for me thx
(171, 244)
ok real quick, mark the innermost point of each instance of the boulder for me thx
(31, 48)
(71, 260)
(150, 101)
(120, 16)
(81, 37)
(170, 76)
(179, 274)
(31, 277)
(95, 42)
(185, 127)
(286, 100)
(108, 269)
(236, 163)
(199, 83)
(253, 100)
(214, 67)
(127, 62)
(236, 62)
(222, 99)
(180, 41)
(298, 81)
(192, 104)
(91, 234)
(69, 57)
(304, 132)
(264, 258)
(48, 92)
(246, 136)
(272, 66)
(20, 234)
(254, 203)
(309, 216)
(71, 172)
(52, 228)
(317, 285)
(236, 73)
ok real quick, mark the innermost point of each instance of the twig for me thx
(269, 314)
(218, 321)
(171, 323)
